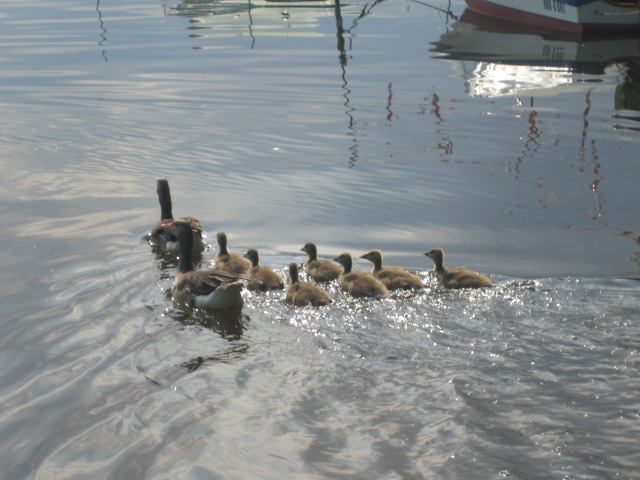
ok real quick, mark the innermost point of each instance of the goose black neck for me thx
(185, 239)
(164, 197)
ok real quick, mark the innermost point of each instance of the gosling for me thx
(229, 262)
(320, 270)
(359, 284)
(394, 278)
(262, 278)
(458, 277)
(300, 294)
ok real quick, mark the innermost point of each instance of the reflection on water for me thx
(254, 19)
(627, 98)
(499, 58)
(265, 18)
(103, 31)
(230, 323)
(532, 376)
(502, 58)
(284, 123)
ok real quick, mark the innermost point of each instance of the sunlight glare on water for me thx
(394, 125)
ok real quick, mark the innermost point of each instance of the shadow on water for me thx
(228, 323)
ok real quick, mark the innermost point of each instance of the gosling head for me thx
(252, 255)
(435, 254)
(310, 249)
(345, 260)
(373, 256)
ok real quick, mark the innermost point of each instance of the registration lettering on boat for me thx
(554, 5)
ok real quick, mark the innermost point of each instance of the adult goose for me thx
(262, 278)
(358, 284)
(319, 270)
(394, 278)
(300, 294)
(214, 289)
(163, 236)
(229, 262)
(458, 277)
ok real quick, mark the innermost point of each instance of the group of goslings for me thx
(221, 287)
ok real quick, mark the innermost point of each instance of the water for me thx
(392, 126)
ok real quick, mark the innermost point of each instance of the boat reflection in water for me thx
(502, 58)
(499, 58)
(214, 19)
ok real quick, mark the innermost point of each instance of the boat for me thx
(580, 16)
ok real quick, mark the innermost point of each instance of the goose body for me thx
(163, 236)
(393, 278)
(458, 277)
(300, 294)
(262, 278)
(214, 289)
(319, 270)
(358, 284)
(229, 262)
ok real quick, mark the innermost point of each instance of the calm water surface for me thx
(391, 125)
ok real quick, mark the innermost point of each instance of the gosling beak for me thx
(364, 256)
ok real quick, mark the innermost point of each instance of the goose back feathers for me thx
(213, 289)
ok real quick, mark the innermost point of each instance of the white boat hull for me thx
(568, 15)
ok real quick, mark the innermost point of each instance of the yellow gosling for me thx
(319, 270)
(458, 277)
(262, 278)
(358, 284)
(229, 262)
(300, 294)
(394, 278)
